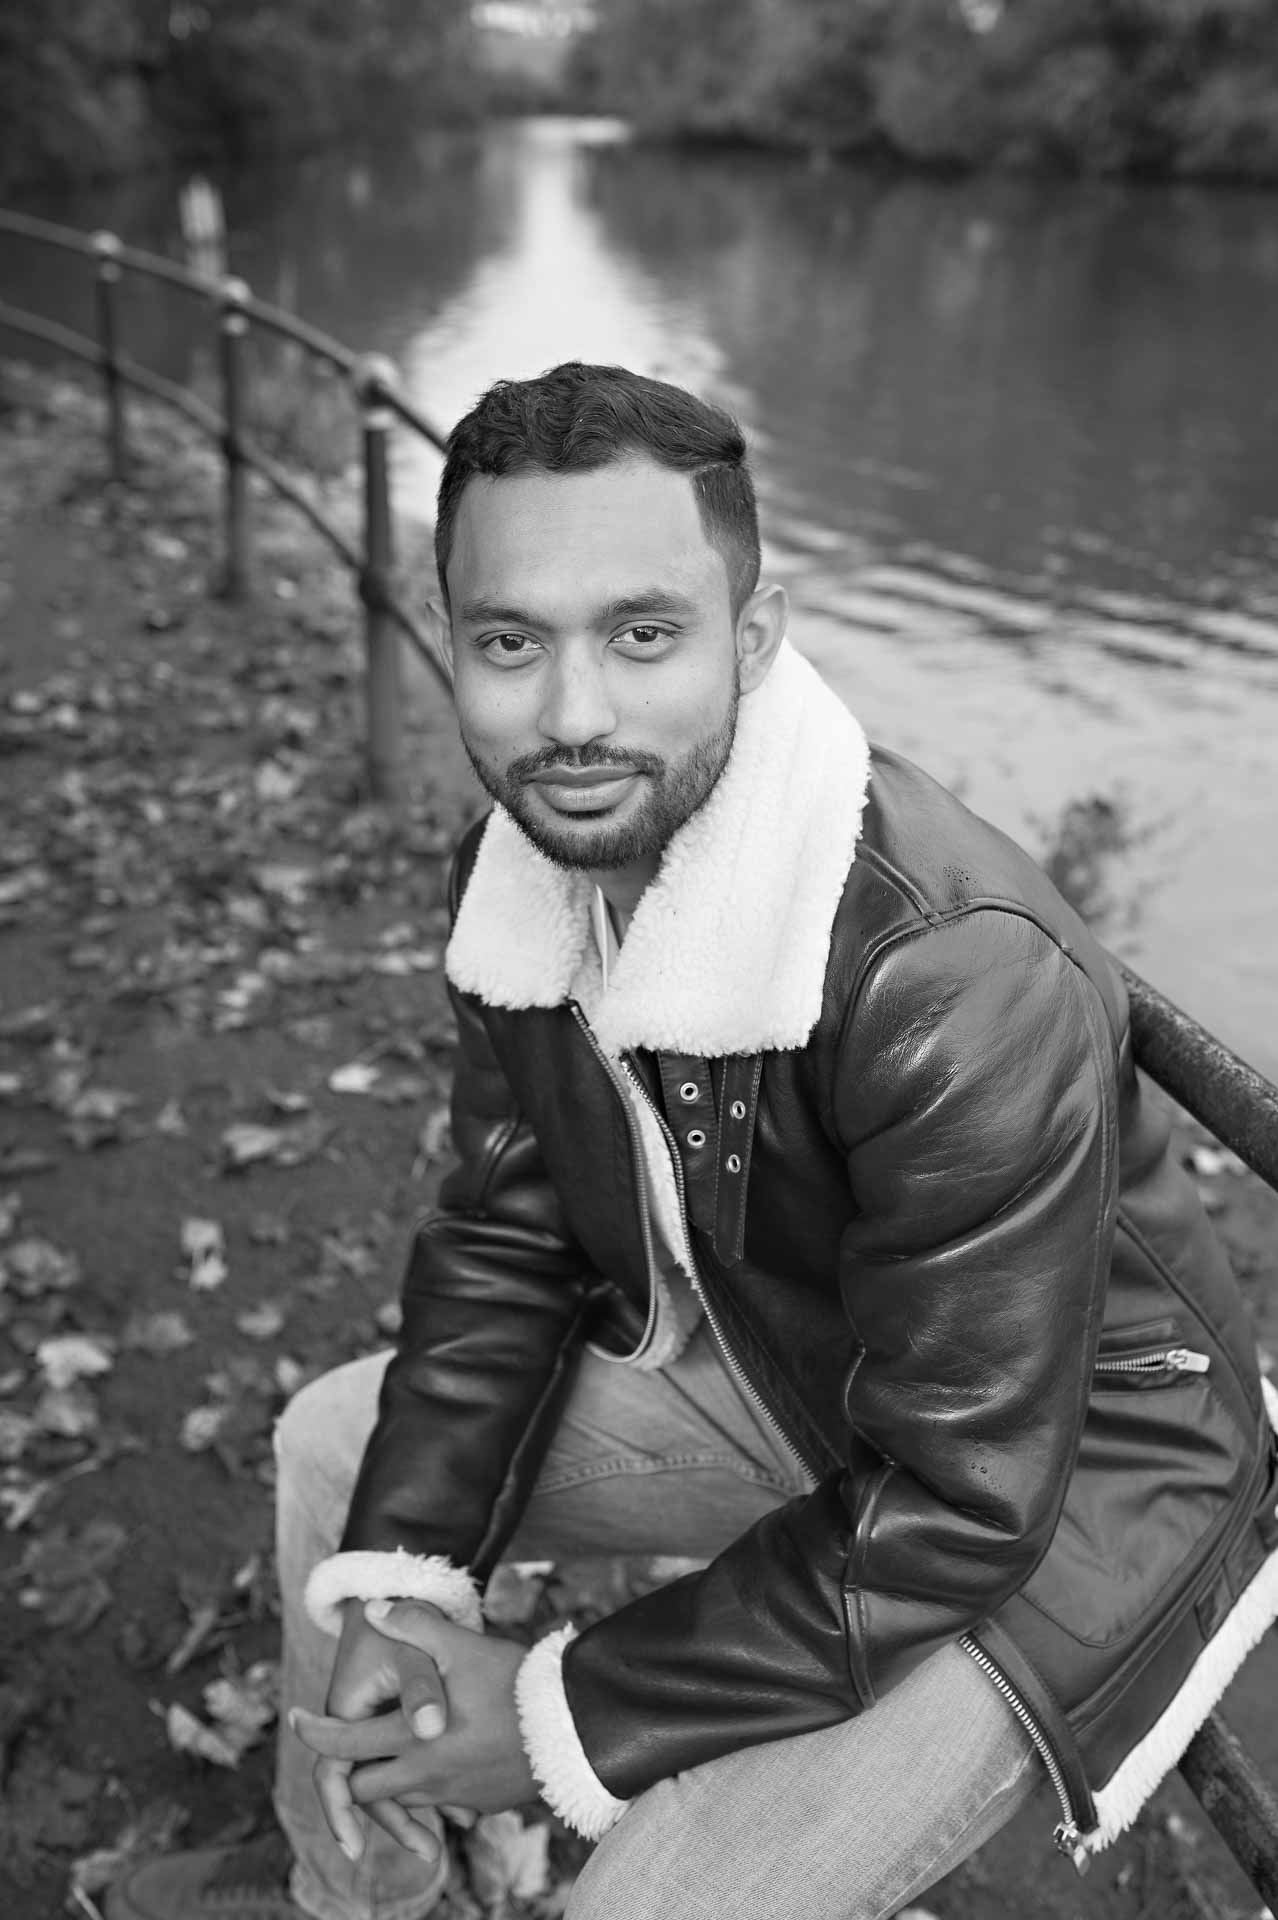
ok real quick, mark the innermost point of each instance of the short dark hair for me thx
(577, 418)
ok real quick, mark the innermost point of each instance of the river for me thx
(1016, 444)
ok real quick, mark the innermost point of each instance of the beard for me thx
(676, 790)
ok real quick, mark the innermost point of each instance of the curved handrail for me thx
(371, 378)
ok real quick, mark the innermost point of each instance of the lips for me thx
(585, 789)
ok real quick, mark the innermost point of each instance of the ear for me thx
(439, 633)
(761, 628)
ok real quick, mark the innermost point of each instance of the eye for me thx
(507, 648)
(646, 639)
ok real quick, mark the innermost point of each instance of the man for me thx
(810, 1222)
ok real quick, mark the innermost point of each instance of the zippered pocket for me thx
(1147, 1356)
(1150, 1367)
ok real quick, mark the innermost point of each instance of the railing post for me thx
(107, 250)
(374, 379)
(231, 332)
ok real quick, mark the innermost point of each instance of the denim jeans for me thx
(845, 1824)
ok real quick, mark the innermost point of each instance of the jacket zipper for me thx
(734, 1365)
(615, 1072)
(1156, 1360)
(1067, 1834)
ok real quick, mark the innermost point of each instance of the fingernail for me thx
(428, 1722)
(292, 1719)
(377, 1609)
(349, 1849)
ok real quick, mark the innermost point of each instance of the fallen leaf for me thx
(187, 1734)
(68, 1357)
(95, 1116)
(17, 1161)
(243, 1706)
(245, 1143)
(285, 1101)
(16, 1429)
(64, 1573)
(156, 1333)
(507, 1861)
(171, 1120)
(156, 1829)
(35, 1023)
(202, 1425)
(268, 1230)
(205, 1248)
(70, 1413)
(33, 1267)
(359, 1076)
(262, 1322)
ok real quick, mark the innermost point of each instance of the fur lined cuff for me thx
(391, 1576)
(569, 1783)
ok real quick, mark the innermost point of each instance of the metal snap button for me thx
(733, 1163)
(737, 1109)
(696, 1138)
(689, 1090)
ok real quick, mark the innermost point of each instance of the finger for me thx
(413, 1623)
(350, 1740)
(399, 1823)
(332, 1788)
(421, 1700)
(390, 1779)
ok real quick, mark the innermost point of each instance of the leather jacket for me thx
(946, 1244)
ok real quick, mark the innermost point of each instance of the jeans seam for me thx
(629, 1466)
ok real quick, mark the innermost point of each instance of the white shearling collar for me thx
(727, 948)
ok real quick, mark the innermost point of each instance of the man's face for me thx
(594, 655)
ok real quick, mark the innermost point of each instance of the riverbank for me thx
(223, 1073)
(1126, 90)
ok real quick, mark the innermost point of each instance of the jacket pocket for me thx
(1156, 1478)
(1151, 1355)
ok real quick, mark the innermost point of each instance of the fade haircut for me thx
(578, 418)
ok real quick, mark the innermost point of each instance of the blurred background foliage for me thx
(89, 87)
(1164, 87)
(1161, 88)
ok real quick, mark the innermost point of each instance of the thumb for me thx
(413, 1623)
(422, 1702)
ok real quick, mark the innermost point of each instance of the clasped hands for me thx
(421, 1714)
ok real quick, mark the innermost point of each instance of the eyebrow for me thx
(653, 603)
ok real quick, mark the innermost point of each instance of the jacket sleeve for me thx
(494, 1299)
(974, 1100)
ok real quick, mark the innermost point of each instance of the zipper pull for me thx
(1186, 1360)
(1069, 1841)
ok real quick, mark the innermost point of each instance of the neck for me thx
(622, 888)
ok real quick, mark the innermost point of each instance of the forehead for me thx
(630, 525)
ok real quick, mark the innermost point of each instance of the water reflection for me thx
(1013, 440)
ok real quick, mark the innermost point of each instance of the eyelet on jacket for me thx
(737, 1109)
(689, 1090)
(696, 1138)
(733, 1163)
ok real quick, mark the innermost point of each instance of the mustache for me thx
(577, 759)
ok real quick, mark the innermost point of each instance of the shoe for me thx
(248, 1882)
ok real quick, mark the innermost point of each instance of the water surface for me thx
(1015, 446)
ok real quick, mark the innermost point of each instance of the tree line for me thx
(1159, 87)
(104, 86)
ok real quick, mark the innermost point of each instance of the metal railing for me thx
(374, 387)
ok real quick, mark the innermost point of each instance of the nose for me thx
(578, 705)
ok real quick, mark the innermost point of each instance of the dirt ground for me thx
(223, 1075)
